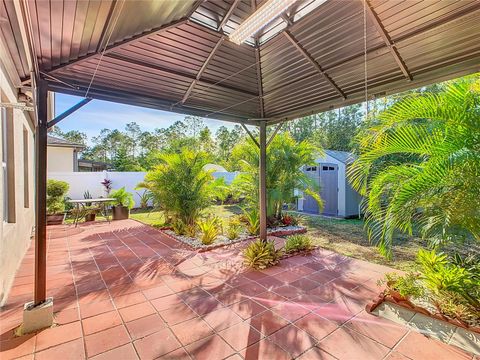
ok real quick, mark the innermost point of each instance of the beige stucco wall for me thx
(59, 159)
(15, 237)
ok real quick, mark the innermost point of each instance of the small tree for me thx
(285, 159)
(56, 191)
(181, 187)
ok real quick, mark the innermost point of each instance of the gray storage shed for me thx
(340, 200)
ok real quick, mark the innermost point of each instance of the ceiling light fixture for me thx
(263, 16)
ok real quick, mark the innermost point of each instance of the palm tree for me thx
(285, 158)
(419, 165)
(181, 187)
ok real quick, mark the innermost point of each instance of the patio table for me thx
(81, 204)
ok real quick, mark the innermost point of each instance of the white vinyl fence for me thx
(80, 182)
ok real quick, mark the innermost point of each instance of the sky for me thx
(97, 115)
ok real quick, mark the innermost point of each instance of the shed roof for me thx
(175, 55)
(342, 156)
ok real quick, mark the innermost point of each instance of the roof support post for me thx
(262, 194)
(312, 61)
(66, 113)
(227, 15)
(40, 291)
(388, 41)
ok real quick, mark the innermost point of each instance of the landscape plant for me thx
(234, 228)
(181, 187)
(210, 229)
(123, 198)
(297, 243)
(252, 218)
(262, 254)
(285, 159)
(56, 192)
(419, 164)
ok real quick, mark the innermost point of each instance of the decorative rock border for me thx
(407, 304)
(279, 231)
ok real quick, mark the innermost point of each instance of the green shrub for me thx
(191, 230)
(297, 243)
(56, 191)
(440, 275)
(233, 229)
(179, 227)
(408, 285)
(252, 218)
(262, 254)
(181, 187)
(210, 229)
(123, 198)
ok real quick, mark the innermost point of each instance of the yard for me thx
(345, 236)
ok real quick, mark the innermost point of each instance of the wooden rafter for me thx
(202, 69)
(317, 66)
(388, 41)
(227, 15)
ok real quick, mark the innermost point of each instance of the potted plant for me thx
(91, 213)
(123, 203)
(56, 192)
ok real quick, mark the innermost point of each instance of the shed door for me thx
(310, 205)
(329, 188)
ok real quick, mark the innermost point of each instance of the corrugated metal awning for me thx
(175, 55)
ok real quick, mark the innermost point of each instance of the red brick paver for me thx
(126, 291)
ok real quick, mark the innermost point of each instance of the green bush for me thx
(440, 275)
(408, 285)
(56, 192)
(297, 243)
(234, 228)
(123, 198)
(210, 229)
(262, 254)
(181, 187)
(191, 230)
(179, 227)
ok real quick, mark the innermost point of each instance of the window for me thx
(26, 180)
(8, 165)
(4, 163)
(311, 168)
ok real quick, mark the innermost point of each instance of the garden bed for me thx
(222, 240)
(425, 309)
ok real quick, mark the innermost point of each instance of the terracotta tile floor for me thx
(125, 291)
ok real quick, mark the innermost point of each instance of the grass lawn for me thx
(346, 237)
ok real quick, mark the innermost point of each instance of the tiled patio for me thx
(125, 291)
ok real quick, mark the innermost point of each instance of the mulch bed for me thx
(197, 245)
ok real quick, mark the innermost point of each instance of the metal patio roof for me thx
(175, 55)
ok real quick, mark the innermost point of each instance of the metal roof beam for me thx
(129, 41)
(129, 98)
(67, 112)
(202, 69)
(388, 41)
(312, 61)
(227, 15)
(179, 74)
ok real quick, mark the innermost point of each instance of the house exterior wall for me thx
(15, 236)
(60, 159)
